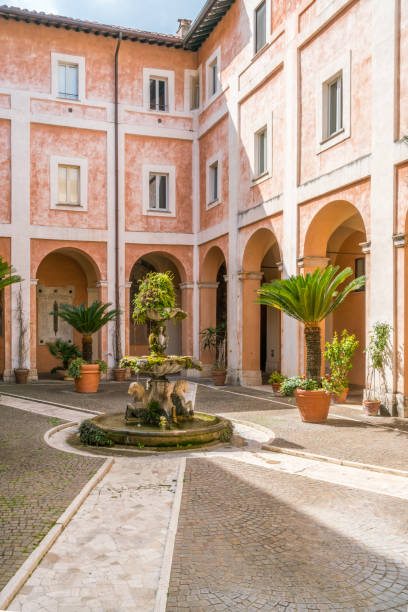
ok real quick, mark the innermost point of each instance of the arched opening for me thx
(213, 297)
(261, 326)
(64, 276)
(337, 233)
(139, 334)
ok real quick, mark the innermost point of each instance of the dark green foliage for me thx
(156, 292)
(152, 414)
(92, 435)
(7, 276)
(226, 435)
(63, 351)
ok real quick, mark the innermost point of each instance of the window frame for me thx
(337, 79)
(214, 59)
(77, 162)
(58, 59)
(157, 81)
(170, 172)
(257, 169)
(161, 75)
(256, 10)
(215, 160)
(189, 75)
(158, 208)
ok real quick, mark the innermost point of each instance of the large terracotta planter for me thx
(371, 407)
(89, 381)
(21, 375)
(313, 405)
(119, 374)
(340, 398)
(219, 377)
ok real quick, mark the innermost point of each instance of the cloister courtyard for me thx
(285, 516)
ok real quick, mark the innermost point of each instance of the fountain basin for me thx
(202, 429)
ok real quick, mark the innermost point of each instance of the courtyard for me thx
(263, 524)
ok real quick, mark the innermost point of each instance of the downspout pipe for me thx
(118, 348)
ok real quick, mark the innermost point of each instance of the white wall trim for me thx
(159, 238)
(171, 172)
(82, 163)
(163, 74)
(62, 58)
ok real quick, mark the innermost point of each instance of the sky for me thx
(152, 15)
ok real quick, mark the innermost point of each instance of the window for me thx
(334, 106)
(213, 78)
(213, 184)
(194, 92)
(359, 270)
(68, 81)
(260, 27)
(261, 152)
(158, 191)
(68, 185)
(158, 94)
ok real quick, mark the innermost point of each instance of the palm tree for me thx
(7, 276)
(87, 320)
(310, 299)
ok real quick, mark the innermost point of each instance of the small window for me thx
(359, 270)
(260, 27)
(158, 94)
(68, 81)
(334, 106)
(213, 182)
(261, 161)
(158, 191)
(68, 185)
(194, 92)
(213, 78)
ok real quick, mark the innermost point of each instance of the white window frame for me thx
(188, 76)
(82, 164)
(214, 57)
(260, 127)
(266, 26)
(217, 158)
(61, 58)
(340, 67)
(157, 208)
(153, 73)
(170, 171)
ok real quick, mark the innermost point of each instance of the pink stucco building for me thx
(264, 139)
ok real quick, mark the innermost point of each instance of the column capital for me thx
(102, 283)
(313, 261)
(243, 276)
(205, 285)
(187, 285)
(34, 281)
(365, 247)
(399, 240)
(128, 284)
(279, 265)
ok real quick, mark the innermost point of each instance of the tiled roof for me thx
(211, 13)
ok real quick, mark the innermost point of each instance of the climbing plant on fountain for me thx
(310, 299)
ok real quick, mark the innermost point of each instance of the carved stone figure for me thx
(183, 408)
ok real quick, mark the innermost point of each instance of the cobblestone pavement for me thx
(254, 540)
(37, 483)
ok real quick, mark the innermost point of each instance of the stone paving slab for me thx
(37, 483)
(109, 557)
(253, 539)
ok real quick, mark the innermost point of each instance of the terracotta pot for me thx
(371, 407)
(276, 387)
(340, 398)
(21, 375)
(89, 381)
(119, 374)
(219, 377)
(313, 405)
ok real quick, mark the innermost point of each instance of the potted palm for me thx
(65, 352)
(214, 340)
(310, 299)
(87, 320)
(276, 379)
(339, 352)
(379, 356)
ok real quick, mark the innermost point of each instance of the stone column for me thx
(208, 318)
(126, 347)
(187, 324)
(33, 330)
(401, 329)
(250, 374)
(102, 351)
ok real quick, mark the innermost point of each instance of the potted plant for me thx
(339, 352)
(214, 340)
(21, 372)
(310, 299)
(276, 379)
(87, 320)
(65, 352)
(86, 375)
(379, 355)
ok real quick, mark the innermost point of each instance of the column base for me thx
(206, 371)
(250, 378)
(8, 376)
(395, 404)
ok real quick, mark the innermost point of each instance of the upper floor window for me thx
(260, 26)
(261, 154)
(68, 86)
(194, 92)
(158, 89)
(333, 106)
(213, 182)
(68, 185)
(213, 77)
(158, 191)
